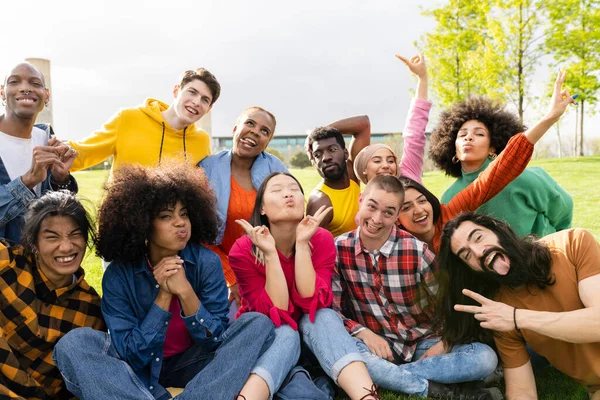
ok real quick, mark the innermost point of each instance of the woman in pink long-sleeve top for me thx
(283, 267)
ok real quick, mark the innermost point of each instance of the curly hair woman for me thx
(164, 297)
(468, 137)
(423, 215)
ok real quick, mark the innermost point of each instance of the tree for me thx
(452, 49)
(573, 36)
(276, 153)
(514, 47)
(300, 160)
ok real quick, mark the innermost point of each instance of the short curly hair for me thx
(501, 124)
(136, 194)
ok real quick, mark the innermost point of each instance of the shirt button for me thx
(201, 321)
(151, 354)
(157, 359)
(166, 322)
(193, 323)
(157, 286)
(216, 338)
(151, 387)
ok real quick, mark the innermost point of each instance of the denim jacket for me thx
(138, 327)
(15, 198)
(218, 171)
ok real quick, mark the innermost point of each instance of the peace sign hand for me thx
(260, 236)
(416, 64)
(560, 97)
(491, 314)
(309, 225)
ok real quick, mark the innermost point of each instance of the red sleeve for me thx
(502, 171)
(323, 261)
(251, 281)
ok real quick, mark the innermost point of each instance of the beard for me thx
(518, 274)
(334, 175)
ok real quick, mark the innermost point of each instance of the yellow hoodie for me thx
(141, 135)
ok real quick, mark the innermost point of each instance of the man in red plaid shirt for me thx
(383, 285)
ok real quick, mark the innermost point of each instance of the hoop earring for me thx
(3, 102)
(492, 156)
(46, 104)
(455, 160)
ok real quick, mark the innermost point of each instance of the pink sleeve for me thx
(323, 260)
(251, 280)
(411, 163)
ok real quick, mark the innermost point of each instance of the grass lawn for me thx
(577, 175)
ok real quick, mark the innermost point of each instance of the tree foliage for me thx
(300, 160)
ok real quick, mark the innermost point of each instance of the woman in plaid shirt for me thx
(284, 266)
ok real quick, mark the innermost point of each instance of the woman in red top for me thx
(422, 214)
(283, 267)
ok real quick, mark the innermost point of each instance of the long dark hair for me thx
(56, 204)
(435, 203)
(532, 258)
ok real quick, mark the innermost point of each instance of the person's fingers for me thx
(404, 60)
(475, 296)
(481, 317)
(389, 354)
(244, 224)
(468, 309)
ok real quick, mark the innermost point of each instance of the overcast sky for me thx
(309, 62)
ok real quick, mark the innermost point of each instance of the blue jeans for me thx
(275, 363)
(329, 341)
(466, 362)
(92, 368)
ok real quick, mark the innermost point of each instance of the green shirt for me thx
(532, 203)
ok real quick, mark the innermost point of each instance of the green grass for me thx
(579, 177)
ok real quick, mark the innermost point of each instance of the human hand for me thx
(67, 155)
(491, 314)
(416, 65)
(309, 224)
(166, 268)
(178, 283)
(260, 236)
(378, 345)
(43, 157)
(435, 350)
(560, 98)
(234, 294)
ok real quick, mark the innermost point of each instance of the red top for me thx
(178, 337)
(252, 279)
(241, 205)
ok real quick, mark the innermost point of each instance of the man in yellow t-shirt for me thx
(339, 188)
(546, 296)
(155, 131)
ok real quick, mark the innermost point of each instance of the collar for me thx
(45, 290)
(471, 176)
(386, 249)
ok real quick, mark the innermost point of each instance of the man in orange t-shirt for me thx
(546, 297)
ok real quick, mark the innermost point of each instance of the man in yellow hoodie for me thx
(155, 131)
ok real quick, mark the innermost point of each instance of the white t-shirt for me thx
(16, 153)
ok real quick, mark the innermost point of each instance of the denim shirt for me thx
(15, 198)
(138, 326)
(218, 171)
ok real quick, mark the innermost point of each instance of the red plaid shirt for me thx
(392, 296)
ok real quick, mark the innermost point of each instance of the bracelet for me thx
(515, 319)
(61, 186)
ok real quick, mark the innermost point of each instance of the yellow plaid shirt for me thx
(34, 315)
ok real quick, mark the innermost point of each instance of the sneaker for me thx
(463, 391)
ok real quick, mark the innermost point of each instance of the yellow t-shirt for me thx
(345, 207)
(575, 256)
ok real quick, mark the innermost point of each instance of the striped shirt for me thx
(388, 291)
(34, 315)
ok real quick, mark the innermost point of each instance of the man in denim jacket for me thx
(24, 95)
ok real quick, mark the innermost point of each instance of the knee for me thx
(287, 337)
(75, 342)
(485, 357)
(258, 321)
(324, 318)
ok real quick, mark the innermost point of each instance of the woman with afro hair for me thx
(164, 297)
(467, 138)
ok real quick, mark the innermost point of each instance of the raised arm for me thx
(98, 146)
(360, 129)
(411, 162)
(317, 200)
